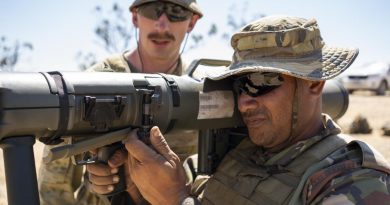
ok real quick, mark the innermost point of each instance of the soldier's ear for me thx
(134, 18)
(193, 21)
(316, 87)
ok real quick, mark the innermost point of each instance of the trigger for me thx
(85, 158)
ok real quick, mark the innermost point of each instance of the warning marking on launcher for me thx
(216, 104)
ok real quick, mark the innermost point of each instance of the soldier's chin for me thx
(257, 138)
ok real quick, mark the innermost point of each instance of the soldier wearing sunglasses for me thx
(294, 153)
(162, 27)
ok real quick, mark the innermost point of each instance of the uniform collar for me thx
(261, 156)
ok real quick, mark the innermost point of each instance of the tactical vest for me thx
(239, 181)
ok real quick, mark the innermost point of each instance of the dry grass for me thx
(377, 111)
(375, 108)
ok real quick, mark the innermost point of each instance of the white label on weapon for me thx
(216, 104)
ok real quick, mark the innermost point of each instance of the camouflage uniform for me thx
(329, 168)
(59, 180)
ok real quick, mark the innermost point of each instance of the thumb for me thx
(118, 158)
(161, 146)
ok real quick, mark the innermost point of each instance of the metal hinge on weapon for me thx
(151, 99)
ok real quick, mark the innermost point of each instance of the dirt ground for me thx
(375, 108)
(377, 111)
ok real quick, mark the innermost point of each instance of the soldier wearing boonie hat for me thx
(294, 154)
(292, 46)
(286, 45)
(267, 53)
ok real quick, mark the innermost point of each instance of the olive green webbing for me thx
(238, 182)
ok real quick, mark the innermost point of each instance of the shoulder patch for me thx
(372, 158)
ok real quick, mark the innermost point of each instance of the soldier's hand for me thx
(157, 173)
(104, 177)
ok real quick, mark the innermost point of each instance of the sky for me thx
(59, 30)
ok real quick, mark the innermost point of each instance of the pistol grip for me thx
(144, 136)
(104, 154)
(121, 185)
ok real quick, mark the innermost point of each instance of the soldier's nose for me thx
(246, 102)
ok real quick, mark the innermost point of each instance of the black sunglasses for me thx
(257, 84)
(174, 12)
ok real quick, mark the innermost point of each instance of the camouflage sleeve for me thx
(100, 67)
(58, 180)
(196, 182)
(366, 186)
(113, 63)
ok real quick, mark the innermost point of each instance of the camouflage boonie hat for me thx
(287, 45)
(188, 4)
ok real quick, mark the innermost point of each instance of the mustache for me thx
(161, 36)
(253, 113)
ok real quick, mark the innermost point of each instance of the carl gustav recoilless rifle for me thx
(99, 109)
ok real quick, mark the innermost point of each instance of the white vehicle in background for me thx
(372, 76)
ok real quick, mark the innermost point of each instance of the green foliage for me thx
(113, 29)
(235, 20)
(10, 54)
(213, 30)
(86, 59)
(114, 33)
